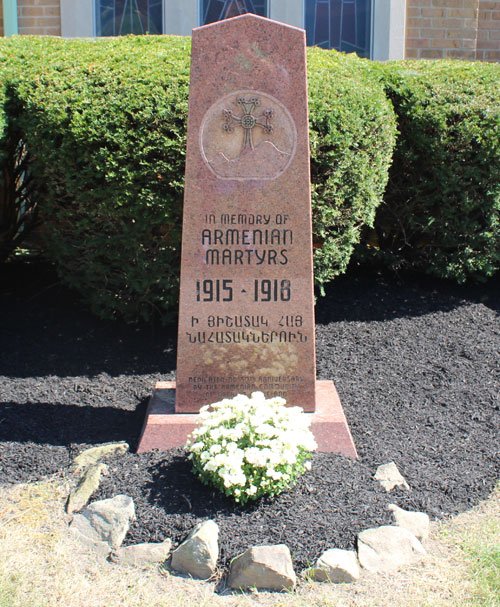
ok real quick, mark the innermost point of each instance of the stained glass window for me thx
(120, 17)
(341, 24)
(215, 10)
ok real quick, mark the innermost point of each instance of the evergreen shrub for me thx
(352, 132)
(105, 123)
(18, 208)
(441, 210)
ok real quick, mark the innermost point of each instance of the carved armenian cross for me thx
(247, 120)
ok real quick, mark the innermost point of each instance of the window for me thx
(120, 17)
(215, 10)
(344, 25)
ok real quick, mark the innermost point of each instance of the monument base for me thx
(165, 429)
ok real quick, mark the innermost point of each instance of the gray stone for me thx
(93, 455)
(416, 522)
(100, 548)
(198, 553)
(387, 548)
(88, 483)
(389, 477)
(265, 567)
(141, 555)
(336, 566)
(106, 520)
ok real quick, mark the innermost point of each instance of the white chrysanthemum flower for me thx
(215, 434)
(243, 444)
(258, 396)
(274, 474)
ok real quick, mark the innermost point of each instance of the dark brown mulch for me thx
(416, 362)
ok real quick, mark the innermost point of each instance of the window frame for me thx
(371, 28)
(388, 21)
(200, 10)
(95, 18)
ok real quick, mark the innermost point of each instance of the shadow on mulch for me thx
(416, 362)
(364, 295)
(36, 308)
(50, 332)
(67, 425)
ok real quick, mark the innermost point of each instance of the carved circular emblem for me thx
(248, 121)
(248, 135)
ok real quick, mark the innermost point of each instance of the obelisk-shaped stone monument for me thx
(246, 315)
(246, 303)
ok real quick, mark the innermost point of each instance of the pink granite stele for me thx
(246, 312)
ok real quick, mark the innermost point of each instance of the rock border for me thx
(103, 525)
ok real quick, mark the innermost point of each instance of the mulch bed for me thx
(416, 362)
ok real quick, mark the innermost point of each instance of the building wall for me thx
(488, 31)
(40, 17)
(454, 29)
(435, 29)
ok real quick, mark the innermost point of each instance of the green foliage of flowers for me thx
(441, 211)
(249, 447)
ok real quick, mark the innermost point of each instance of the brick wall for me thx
(41, 17)
(454, 29)
(488, 31)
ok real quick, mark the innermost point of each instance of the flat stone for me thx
(87, 485)
(387, 548)
(197, 555)
(336, 566)
(106, 520)
(98, 547)
(416, 522)
(389, 477)
(141, 555)
(93, 455)
(263, 567)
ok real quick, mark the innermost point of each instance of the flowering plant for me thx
(248, 447)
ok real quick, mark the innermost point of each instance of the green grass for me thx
(483, 556)
(7, 590)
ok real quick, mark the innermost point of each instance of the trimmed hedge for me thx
(105, 124)
(18, 208)
(92, 135)
(352, 132)
(441, 211)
